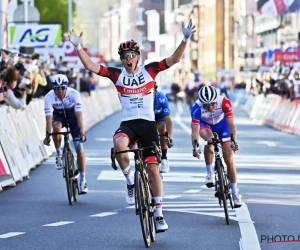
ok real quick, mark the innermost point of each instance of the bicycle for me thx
(222, 183)
(70, 167)
(144, 203)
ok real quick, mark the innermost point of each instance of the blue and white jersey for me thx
(161, 105)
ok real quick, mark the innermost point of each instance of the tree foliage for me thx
(54, 11)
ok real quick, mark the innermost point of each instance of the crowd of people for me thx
(278, 79)
(24, 77)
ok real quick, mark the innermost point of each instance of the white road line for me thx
(181, 124)
(192, 191)
(171, 197)
(11, 234)
(249, 240)
(57, 224)
(103, 214)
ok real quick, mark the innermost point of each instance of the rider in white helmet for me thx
(213, 113)
(63, 107)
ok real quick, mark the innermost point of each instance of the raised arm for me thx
(85, 59)
(177, 55)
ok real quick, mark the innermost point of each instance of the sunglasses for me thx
(63, 87)
(128, 54)
(209, 104)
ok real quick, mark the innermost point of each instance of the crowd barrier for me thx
(22, 133)
(272, 110)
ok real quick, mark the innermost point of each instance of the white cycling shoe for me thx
(130, 194)
(58, 163)
(210, 180)
(161, 224)
(164, 166)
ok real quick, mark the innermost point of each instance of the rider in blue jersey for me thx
(163, 124)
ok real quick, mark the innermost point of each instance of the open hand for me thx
(74, 39)
(188, 31)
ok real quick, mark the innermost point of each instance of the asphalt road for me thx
(36, 215)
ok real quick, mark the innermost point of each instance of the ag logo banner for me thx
(35, 34)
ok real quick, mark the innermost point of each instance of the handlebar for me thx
(113, 153)
(64, 133)
(215, 140)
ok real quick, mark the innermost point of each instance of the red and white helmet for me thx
(129, 46)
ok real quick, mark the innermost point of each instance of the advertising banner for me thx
(34, 34)
(276, 7)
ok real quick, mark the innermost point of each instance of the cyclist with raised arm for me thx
(135, 87)
(63, 106)
(163, 124)
(213, 113)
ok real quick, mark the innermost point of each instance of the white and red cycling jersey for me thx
(135, 91)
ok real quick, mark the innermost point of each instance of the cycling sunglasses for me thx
(130, 54)
(209, 104)
(62, 87)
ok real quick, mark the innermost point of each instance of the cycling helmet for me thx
(129, 46)
(207, 94)
(59, 79)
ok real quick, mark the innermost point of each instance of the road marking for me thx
(103, 139)
(244, 178)
(171, 197)
(249, 238)
(11, 234)
(268, 143)
(192, 191)
(57, 224)
(103, 214)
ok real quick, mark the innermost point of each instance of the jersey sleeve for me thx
(227, 108)
(196, 114)
(163, 100)
(111, 73)
(48, 105)
(77, 101)
(155, 67)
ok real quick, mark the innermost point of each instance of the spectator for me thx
(92, 81)
(10, 77)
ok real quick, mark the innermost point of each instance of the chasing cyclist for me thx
(135, 87)
(213, 113)
(163, 124)
(63, 106)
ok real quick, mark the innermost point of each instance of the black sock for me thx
(164, 154)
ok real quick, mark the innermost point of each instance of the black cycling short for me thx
(144, 130)
(72, 121)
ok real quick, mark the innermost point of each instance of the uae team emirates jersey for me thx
(136, 91)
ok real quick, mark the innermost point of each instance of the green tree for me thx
(55, 11)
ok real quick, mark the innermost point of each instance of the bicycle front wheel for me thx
(141, 200)
(69, 182)
(151, 209)
(222, 191)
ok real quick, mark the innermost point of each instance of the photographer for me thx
(15, 98)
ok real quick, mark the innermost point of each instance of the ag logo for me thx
(40, 35)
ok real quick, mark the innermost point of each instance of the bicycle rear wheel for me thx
(67, 173)
(141, 199)
(222, 193)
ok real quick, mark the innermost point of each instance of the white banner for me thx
(34, 34)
